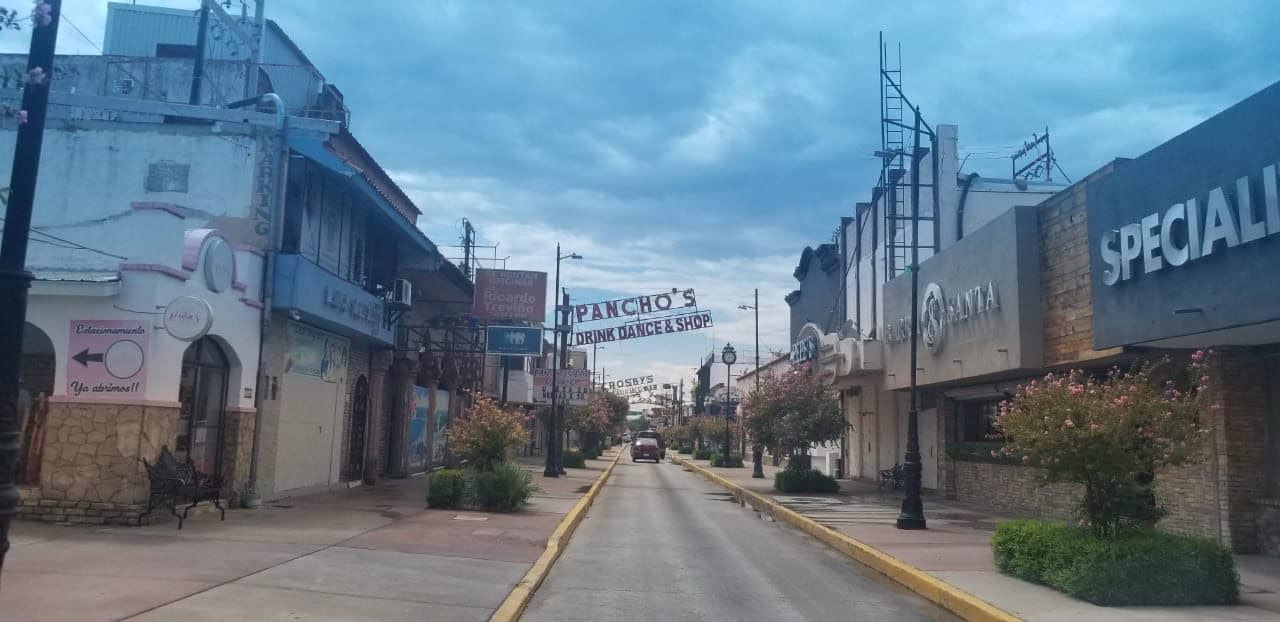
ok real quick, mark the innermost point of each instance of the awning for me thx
(314, 149)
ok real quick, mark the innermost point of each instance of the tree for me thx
(1111, 435)
(791, 412)
(485, 434)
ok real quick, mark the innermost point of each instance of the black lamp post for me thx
(912, 514)
(728, 356)
(553, 429)
(14, 277)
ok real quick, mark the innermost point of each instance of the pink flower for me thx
(1204, 379)
(1094, 427)
(994, 454)
(1197, 356)
(1076, 389)
(1026, 460)
(1069, 423)
(20, 116)
(35, 76)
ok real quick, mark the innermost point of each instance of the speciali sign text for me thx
(1190, 230)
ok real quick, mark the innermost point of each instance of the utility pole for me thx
(552, 469)
(197, 71)
(564, 358)
(912, 514)
(14, 278)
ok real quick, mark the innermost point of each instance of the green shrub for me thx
(1134, 567)
(684, 449)
(506, 488)
(733, 462)
(702, 454)
(445, 488)
(812, 480)
(573, 460)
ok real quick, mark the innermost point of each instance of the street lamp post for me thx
(15, 280)
(553, 429)
(912, 514)
(728, 356)
(757, 452)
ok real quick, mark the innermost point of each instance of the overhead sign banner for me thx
(675, 300)
(622, 384)
(644, 328)
(573, 385)
(510, 295)
(106, 359)
(513, 340)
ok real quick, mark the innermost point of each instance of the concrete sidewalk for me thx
(369, 553)
(957, 549)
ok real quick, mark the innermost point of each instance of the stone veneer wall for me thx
(237, 452)
(92, 471)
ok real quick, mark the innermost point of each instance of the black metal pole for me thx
(728, 447)
(14, 278)
(551, 469)
(560, 403)
(757, 451)
(506, 373)
(197, 71)
(912, 514)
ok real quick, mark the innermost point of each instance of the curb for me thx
(940, 592)
(513, 605)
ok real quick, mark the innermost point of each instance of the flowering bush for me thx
(485, 433)
(1109, 434)
(792, 411)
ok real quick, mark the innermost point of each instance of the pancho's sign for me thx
(644, 328)
(675, 300)
(510, 295)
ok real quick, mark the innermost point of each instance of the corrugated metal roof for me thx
(79, 276)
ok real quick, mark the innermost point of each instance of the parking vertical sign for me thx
(513, 340)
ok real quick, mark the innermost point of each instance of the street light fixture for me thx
(561, 321)
(728, 356)
(912, 514)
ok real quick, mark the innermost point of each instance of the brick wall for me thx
(1013, 490)
(1065, 298)
(1239, 397)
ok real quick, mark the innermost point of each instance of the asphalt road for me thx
(661, 543)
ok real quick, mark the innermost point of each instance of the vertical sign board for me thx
(418, 451)
(519, 295)
(106, 359)
(441, 423)
(572, 384)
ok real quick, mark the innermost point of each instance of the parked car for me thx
(646, 449)
(662, 448)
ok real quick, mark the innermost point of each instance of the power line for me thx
(72, 244)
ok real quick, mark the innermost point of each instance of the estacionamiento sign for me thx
(644, 328)
(676, 300)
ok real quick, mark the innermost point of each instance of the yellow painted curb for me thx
(513, 606)
(940, 592)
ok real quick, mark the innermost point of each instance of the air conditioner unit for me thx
(401, 293)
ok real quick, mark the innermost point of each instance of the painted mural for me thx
(418, 450)
(441, 423)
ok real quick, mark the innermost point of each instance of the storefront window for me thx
(977, 421)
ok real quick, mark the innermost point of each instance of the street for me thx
(661, 543)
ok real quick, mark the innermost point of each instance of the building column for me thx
(379, 364)
(403, 374)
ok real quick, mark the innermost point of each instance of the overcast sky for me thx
(704, 144)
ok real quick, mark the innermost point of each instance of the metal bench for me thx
(894, 477)
(173, 483)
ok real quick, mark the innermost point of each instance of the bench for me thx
(173, 483)
(895, 477)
